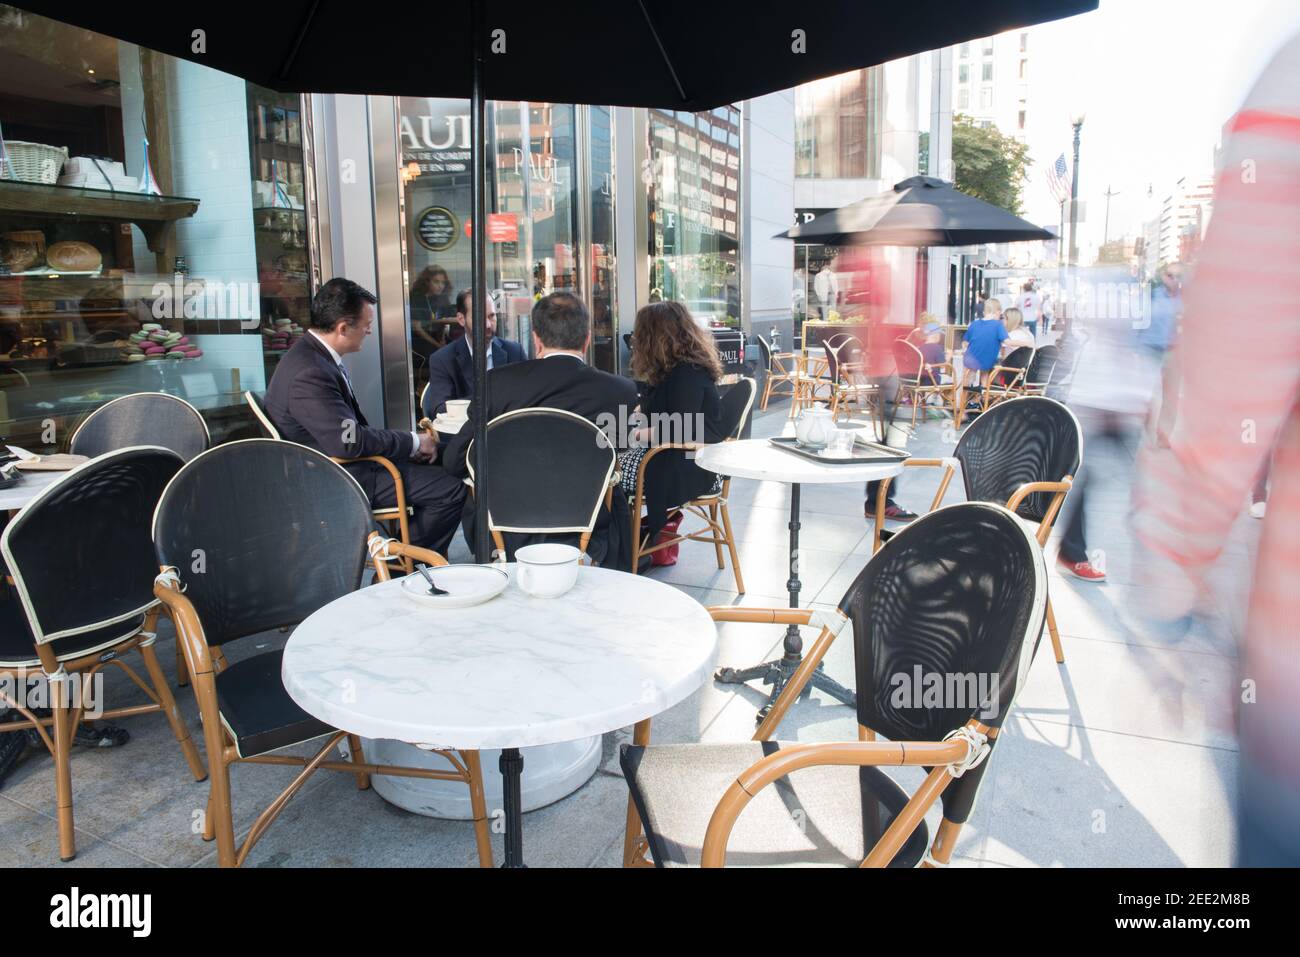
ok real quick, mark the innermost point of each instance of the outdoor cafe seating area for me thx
(284, 628)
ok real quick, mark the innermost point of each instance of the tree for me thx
(988, 165)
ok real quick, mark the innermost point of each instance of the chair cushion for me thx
(258, 712)
(814, 817)
(18, 647)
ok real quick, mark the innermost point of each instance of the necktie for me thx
(347, 380)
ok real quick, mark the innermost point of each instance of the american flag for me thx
(1057, 179)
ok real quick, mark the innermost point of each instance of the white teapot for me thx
(814, 428)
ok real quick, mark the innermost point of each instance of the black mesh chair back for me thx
(765, 349)
(946, 619)
(265, 427)
(908, 362)
(262, 533)
(1029, 439)
(1018, 358)
(1043, 367)
(736, 406)
(80, 553)
(548, 470)
(841, 349)
(145, 418)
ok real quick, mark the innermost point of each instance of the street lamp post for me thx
(1077, 123)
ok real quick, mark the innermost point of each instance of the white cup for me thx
(546, 570)
(457, 408)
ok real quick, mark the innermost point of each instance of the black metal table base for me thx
(778, 671)
(512, 769)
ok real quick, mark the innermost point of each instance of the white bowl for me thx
(546, 570)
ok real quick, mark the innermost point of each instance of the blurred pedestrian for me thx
(1238, 402)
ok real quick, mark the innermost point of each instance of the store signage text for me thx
(425, 138)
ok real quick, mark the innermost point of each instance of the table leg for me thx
(512, 769)
(778, 672)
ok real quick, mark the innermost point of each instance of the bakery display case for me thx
(153, 231)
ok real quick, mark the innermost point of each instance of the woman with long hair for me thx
(430, 300)
(677, 368)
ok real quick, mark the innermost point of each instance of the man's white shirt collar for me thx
(338, 359)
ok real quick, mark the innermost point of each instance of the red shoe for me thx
(1081, 570)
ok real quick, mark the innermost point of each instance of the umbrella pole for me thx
(478, 189)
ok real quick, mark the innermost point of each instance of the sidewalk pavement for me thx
(1123, 757)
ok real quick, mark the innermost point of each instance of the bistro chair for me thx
(957, 598)
(1024, 452)
(398, 515)
(712, 508)
(777, 374)
(850, 385)
(549, 473)
(1041, 371)
(81, 561)
(813, 380)
(1007, 378)
(918, 379)
(144, 418)
(268, 561)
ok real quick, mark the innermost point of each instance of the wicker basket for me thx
(35, 162)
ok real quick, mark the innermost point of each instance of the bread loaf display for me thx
(18, 255)
(74, 256)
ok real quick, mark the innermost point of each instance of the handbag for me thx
(667, 556)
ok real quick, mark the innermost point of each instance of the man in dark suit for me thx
(451, 368)
(310, 400)
(559, 378)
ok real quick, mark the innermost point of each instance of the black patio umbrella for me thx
(919, 211)
(678, 54)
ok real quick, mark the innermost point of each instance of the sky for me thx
(1155, 80)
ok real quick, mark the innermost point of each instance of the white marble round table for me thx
(759, 459)
(511, 673)
(33, 483)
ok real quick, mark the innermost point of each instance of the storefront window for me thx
(604, 305)
(534, 246)
(153, 235)
(693, 186)
(837, 126)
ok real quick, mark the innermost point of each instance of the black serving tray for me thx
(861, 454)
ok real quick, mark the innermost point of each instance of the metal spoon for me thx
(433, 589)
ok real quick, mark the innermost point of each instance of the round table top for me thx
(33, 483)
(510, 673)
(759, 459)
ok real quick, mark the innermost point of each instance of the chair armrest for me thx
(762, 616)
(1030, 488)
(1017, 373)
(638, 499)
(964, 749)
(185, 617)
(949, 465)
(382, 550)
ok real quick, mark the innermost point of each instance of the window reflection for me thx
(693, 199)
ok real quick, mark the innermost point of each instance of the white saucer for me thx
(448, 426)
(468, 585)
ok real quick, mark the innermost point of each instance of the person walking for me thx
(1031, 307)
(1239, 402)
